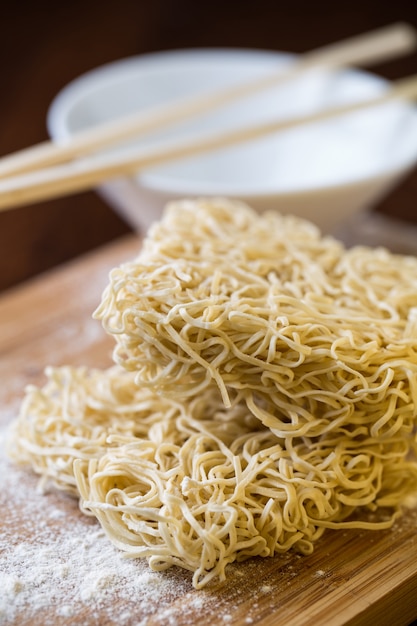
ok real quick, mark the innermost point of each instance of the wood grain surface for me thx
(46, 44)
(352, 578)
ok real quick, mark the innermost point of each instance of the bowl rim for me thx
(81, 86)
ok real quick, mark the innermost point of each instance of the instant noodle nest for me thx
(265, 388)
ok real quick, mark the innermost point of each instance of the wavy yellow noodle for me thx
(265, 389)
(73, 415)
(199, 485)
(203, 504)
(317, 337)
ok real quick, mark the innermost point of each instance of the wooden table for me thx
(352, 578)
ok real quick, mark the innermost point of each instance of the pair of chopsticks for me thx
(49, 170)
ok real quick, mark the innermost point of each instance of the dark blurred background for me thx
(45, 45)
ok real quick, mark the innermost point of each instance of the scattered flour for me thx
(320, 572)
(58, 568)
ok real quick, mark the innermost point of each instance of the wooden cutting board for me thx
(352, 578)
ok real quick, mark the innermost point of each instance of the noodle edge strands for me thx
(350, 370)
(212, 484)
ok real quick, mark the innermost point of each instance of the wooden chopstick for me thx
(375, 46)
(87, 173)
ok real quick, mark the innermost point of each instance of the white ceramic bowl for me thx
(326, 172)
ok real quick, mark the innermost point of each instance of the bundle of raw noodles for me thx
(265, 388)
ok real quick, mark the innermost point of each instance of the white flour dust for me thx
(57, 566)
